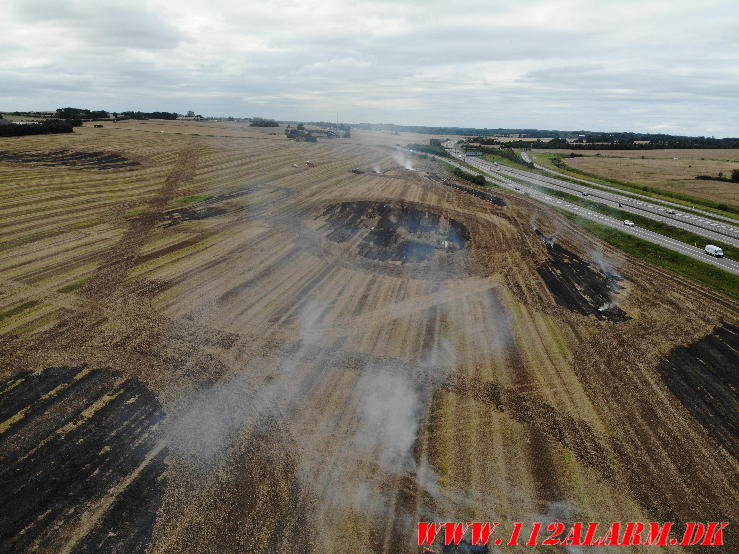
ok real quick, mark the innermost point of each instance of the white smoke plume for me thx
(403, 160)
(607, 265)
(352, 425)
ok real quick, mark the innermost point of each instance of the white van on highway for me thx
(715, 251)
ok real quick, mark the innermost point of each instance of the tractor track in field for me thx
(310, 359)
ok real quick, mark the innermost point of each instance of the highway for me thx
(707, 228)
(710, 229)
(690, 212)
(496, 177)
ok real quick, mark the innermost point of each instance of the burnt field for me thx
(65, 158)
(390, 232)
(579, 286)
(306, 359)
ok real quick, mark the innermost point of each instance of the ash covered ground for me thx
(314, 360)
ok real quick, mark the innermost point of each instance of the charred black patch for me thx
(704, 377)
(73, 443)
(396, 232)
(66, 158)
(579, 287)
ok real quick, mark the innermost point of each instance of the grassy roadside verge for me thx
(548, 160)
(644, 222)
(708, 275)
(505, 161)
(703, 273)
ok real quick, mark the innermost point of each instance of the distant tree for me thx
(190, 113)
(44, 127)
(261, 122)
(71, 113)
(735, 175)
(301, 127)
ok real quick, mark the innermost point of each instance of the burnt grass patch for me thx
(703, 376)
(579, 287)
(394, 232)
(68, 438)
(66, 158)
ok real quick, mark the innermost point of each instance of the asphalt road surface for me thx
(705, 227)
(500, 178)
(691, 213)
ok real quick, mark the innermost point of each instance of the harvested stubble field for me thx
(660, 169)
(312, 360)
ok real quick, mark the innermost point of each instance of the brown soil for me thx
(330, 371)
(65, 158)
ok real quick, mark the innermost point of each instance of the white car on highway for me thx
(713, 250)
(628, 223)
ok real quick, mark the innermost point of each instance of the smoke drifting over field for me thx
(352, 423)
(403, 160)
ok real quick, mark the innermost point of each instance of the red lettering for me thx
(694, 532)
(516, 532)
(611, 537)
(556, 529)
(658, 535)
(534, 534)
(592, 529)
(427, 532)
(715, 537)
(481, 532)
(574, 536)
(632, 535)
(453, 532)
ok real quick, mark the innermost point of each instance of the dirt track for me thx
(338, 355)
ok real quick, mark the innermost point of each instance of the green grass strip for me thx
(703, 273)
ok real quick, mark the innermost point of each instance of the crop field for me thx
(205, 348)
(719, 154)
(672, 170)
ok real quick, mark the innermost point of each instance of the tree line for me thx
(41, 128)
(84, 113)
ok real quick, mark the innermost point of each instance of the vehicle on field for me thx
(713, 250)
(628, 223)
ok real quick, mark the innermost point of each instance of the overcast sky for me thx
(656, 66)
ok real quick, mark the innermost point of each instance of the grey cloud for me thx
(101, 24)
(543, 64)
